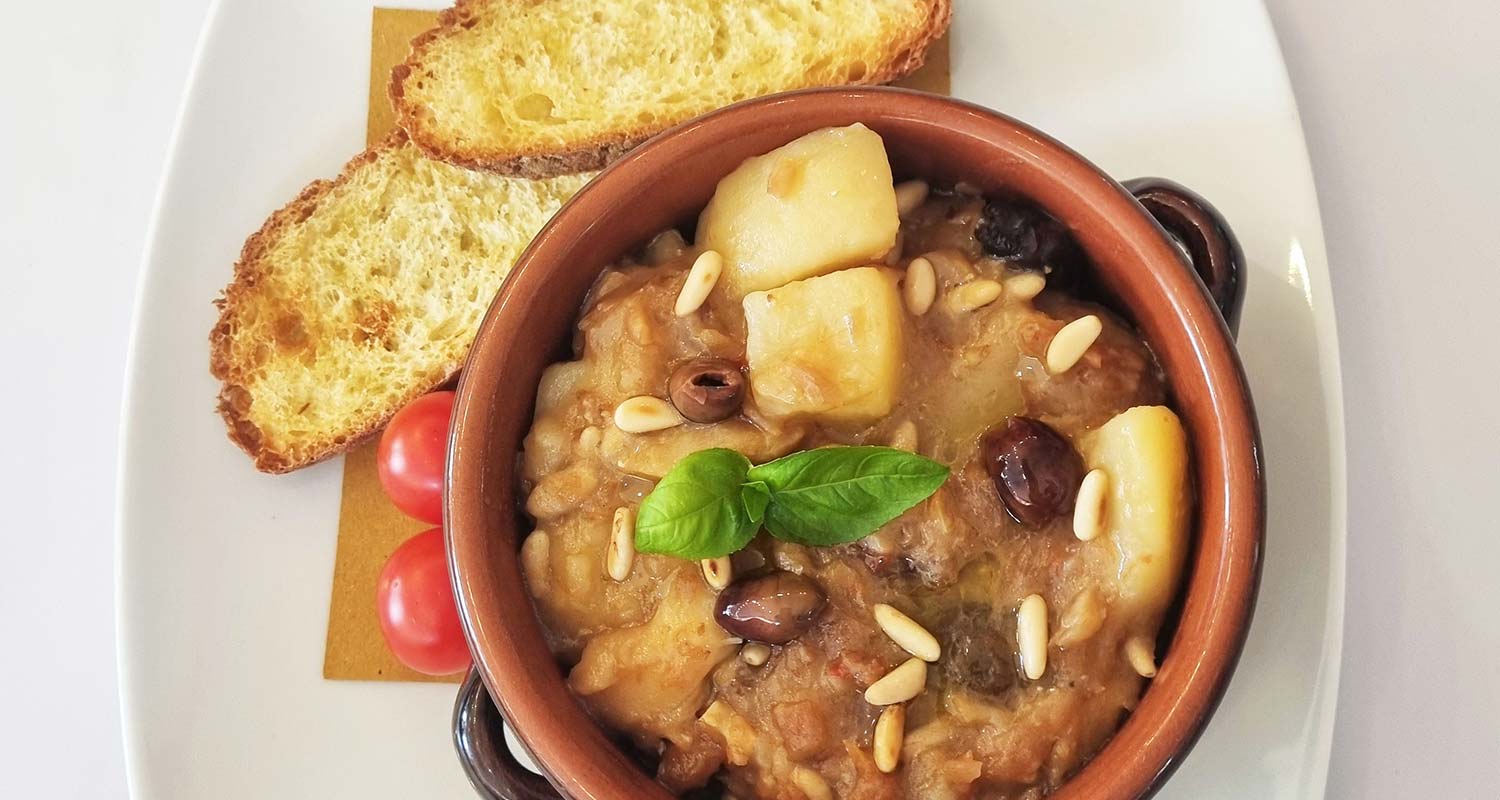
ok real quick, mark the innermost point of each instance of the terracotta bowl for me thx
(1140, 270)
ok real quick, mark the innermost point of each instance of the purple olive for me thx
(1025, 236)
(774, 608)
(1008, 231)
(1035, 469)
(979, 649)
(707, 389)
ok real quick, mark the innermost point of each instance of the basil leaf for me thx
(699, 509)
(756, 496)
(833, 495)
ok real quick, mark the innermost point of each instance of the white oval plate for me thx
(224, 573)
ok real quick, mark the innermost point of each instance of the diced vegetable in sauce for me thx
(753, 671)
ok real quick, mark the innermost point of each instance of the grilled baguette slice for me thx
(548, 87)
(363, 293)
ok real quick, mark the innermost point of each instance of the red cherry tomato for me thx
(414, 600)
(411, 455)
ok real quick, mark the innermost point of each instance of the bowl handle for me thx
(1211, 247)
(487, 760)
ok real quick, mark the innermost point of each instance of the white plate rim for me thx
(153, 272)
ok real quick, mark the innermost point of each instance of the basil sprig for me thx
(712, 502)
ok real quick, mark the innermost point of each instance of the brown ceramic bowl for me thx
(665, 182)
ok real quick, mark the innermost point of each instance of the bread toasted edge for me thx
(250, 267)
(597, 153)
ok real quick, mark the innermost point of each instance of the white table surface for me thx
(1401, 104)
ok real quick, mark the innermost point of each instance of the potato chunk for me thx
(652, 678)
(1146, 511)
(820, 203)
(828, 347)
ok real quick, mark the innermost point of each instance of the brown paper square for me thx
(370, 527)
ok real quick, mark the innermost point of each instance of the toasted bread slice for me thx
(547, 87)
(363, 293)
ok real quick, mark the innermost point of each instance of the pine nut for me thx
(893, 255)
(1142, 656)
(1088, 509)
(644, 414)
(619, 557)
(890, 730)
(755, 654)
(974, 295)
(904, 436)
(1069, 344)
(700, 281)
(1025, 286)
(910, 195)
(1080, 620)
(920, 286)
(1031, 635)
(717, 571)
(899, 685)
(905, 631)
(811, 784)
(950, 262)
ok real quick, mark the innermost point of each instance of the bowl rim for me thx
(1221, 576)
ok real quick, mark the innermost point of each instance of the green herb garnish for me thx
(702, 508)
(712, 502)
(834, 495)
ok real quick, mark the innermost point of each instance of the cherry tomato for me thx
(414, 600)
(411, 455)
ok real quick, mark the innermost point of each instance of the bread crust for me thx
(599, 151)
(233, 398)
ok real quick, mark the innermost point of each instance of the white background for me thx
(1401, 103)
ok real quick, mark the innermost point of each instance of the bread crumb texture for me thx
(552, 85)
(363, 293)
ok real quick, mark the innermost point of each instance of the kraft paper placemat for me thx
(370, 528)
